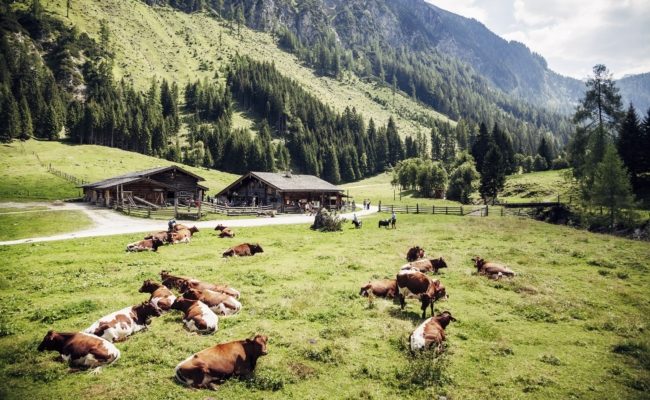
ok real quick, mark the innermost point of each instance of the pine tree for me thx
(493, 174)
(26, 125)
(9, 116)
(436, 145)
(481, 145)
(504, 143)
(630, 144)
(612, 185)
(544, 150)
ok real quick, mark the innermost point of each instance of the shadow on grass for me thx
(406, 315)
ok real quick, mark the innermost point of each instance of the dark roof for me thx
(135, 176)
(125, 181)
(289, 182)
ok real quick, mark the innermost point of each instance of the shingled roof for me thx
(290, 182)
(136, 176)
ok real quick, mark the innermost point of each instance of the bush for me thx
(539, 163)
(560, 163)
(326, 222)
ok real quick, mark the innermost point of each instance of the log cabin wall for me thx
(182, 182)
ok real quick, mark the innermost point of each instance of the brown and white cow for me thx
(431, 332)
(212, 366)
(492, 270)
(185, 283)
(244, 249)
(81, 350)
(381, 288)
(180, 227)
(414, 253)
(117, 326)
(197, 316)
(430, 265)
(145, 245)
(164, 236)
(428, 290)
(161, 296)
(225, 231)
(220, 303)
(181, 236)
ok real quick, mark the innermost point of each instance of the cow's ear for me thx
(50, 332)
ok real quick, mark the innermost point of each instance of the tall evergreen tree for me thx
(544, 150)
(481, 145)
(26, 125)
(493, 174)
(504, 143)
(611, 184)
(630, 144)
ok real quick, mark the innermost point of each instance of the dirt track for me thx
(108, 222)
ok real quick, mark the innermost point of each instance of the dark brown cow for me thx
(212, 366)
(430, 265)
(225, 231)
(163, 236)
(414, 253)
(81, 350)
(185, 283)
(145, 245)
(220, 303)
(431, 332)
(492, 270)
(119, 325)
(161, 296)
(244, 249)
(386, 288)
(412, 282)
(197, 316)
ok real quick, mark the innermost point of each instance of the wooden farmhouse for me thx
(153, 187)
(283, 191)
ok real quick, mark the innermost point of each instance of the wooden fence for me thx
(66, 176)
(446, 210)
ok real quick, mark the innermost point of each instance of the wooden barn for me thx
(284, 191)
(153, 187)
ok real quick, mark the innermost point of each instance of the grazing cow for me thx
(225, 231)
(145, 245)
(161, 296)
(197, 316)
(430, 332)
(81, 350)
(384, 222)
(386, 288)
(163, 236)
(492, 270)
(415, 253)
(410, 281)
(185, 283)
(212, 366)
(244, 249)
(220, 303)
(117, 326)
(430, 265)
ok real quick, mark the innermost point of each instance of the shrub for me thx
(326, 222)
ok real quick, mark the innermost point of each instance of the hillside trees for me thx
(611, 184)
(463, 180)
(425, 176)
(630, 144)
(493, 174)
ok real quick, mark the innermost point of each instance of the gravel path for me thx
(108, 222)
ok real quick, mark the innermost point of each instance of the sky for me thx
(572, 35)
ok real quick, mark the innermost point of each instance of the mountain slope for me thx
(636, 90)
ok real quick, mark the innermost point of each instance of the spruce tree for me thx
(544, 150)
(630, 144)
(481, 145)
(493, 174)
(9, 116)
(26, 125)
(612, 185)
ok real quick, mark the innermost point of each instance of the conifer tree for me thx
(493, 174)
(26, 125)
(481, 146)
(544, 150)
(612, 185)
(630, 144)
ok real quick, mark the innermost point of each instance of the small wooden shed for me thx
(152, 187)
(284, 191)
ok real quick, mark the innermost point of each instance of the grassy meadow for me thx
(22, 177)
(26, 224)
(572, 324)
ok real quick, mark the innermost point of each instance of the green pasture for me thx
(23, 178)
(572, 324)
(41, 223)
(536, 186)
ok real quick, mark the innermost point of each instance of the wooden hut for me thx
(284, 191)
(153, 187)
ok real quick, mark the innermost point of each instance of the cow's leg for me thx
(432, 307)
(402, 300)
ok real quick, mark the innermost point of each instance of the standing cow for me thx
(412, 282)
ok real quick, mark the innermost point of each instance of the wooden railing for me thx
(446, 210)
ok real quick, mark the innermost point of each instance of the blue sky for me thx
(572, 35)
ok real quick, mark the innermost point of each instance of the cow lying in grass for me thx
(492, 270)
(145, 245)
(412, 282)
(244, 249)
(219, 303)
(225, 231)
(414, 253)
(185, 283)
(431, 332)
(197, 316)
(212, 366)
(430, 265)
(163, 236)
(81, 350)
(386, 288)
(161, 296)
(118, 326)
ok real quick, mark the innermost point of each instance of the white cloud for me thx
(573, 35)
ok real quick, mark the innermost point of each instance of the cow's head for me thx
(149, 286)
(181, 304)
(146, 311)
(256, 248)
(438, 263)
(444, 318)
(478, 262)
(220, 227)
(192, 294)
(435, 292)
(259, 343)
(50, 341)
(184, 285)
(194, 229)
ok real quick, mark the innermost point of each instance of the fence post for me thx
(128, 209)
(487, 210)
(380, 206)
(446, 210)
(417, 208)
(148, 211)
(175, 207)
(502, 211)
(200, 203)
(392, 208)
(407, 208)
(461, 211)
(433, 209)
